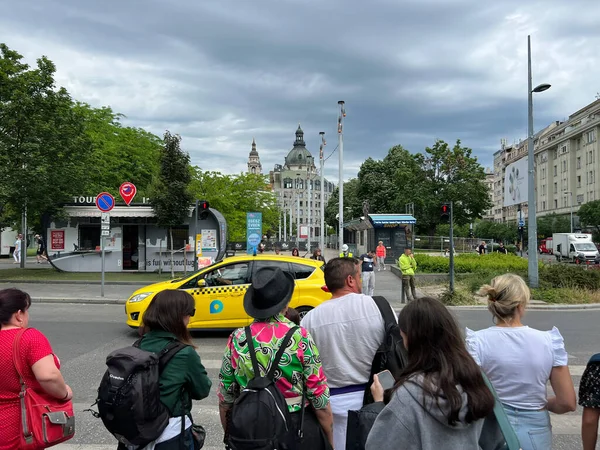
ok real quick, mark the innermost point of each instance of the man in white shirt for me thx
(348, 330)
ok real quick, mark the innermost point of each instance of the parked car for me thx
(219, 290)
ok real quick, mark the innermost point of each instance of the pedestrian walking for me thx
(17, 252)
(502, 249)
(317, 255)
(381, 252)
(367, 273)
(408, 265)
(441, 399)
(346, 253)
(348, 330)
(39, 367)
(589, 399)
(481, 249)
(41, 249)
(297, 373)
(519, 361)
(295, 252)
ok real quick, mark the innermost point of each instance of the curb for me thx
(79, 282)
(80, 301)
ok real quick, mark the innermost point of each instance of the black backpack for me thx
(260, 419)
(129, 395)
(391, 355)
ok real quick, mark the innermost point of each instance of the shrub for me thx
(565, 276)
(460, 297)
(471, 263)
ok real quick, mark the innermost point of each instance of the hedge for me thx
(471, 263)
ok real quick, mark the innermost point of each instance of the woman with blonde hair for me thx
(519, 361)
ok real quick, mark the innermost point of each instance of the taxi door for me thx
(220, 303)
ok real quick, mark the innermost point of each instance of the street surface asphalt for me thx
(82, 335)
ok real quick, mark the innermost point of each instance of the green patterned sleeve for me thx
(226, 391)
(317, 390)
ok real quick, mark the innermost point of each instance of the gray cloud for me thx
(222, 72)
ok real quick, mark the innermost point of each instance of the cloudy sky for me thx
(220, 72)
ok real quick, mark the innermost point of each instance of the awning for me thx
(357, 224)
(117, 211)
(380, 220)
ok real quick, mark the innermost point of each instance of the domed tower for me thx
(299, 158)
(254, 165)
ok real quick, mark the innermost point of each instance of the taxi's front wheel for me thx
(303, 310)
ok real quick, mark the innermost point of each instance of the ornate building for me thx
(254, 165)
(297, 186)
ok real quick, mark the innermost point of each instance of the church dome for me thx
(299, 155)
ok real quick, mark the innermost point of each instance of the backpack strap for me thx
(167, 353)
(252, 351)
(284, 343)
(389, 317)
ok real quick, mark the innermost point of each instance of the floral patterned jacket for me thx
(300, 364)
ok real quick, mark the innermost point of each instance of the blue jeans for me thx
(533, 428)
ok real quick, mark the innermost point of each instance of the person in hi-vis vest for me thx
(345, 253)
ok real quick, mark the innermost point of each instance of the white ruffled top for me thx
(518, 361)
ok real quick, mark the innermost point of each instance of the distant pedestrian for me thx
(519, 361)
(277, 250)
(589, 399)
(41, 249)
(408, 265)
(17, 252)
(502, 249)
(346, 253)
(261, 247)
(317, 255)
(481, 248)
(367, 273)
(381, 255)
(295, 252)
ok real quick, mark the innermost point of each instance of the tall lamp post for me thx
(532, 258)
(570, 207)
(341, 175)
(322, 202)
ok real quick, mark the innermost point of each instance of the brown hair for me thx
(505, 294)
(437, 351)
(292, 315)
(11, 301)
(166, 313)
(337, 270)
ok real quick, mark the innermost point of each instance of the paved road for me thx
(82, 336)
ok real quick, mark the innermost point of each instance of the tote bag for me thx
(497, 422)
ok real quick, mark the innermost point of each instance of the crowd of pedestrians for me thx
(291, 383)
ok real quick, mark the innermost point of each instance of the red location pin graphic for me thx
(127, 191)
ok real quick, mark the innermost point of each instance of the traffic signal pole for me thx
(451, 249)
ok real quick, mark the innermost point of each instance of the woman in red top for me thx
(41, 366)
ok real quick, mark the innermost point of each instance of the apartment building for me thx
(566, 165)
(489, 184)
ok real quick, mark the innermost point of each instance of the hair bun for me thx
(488, 291)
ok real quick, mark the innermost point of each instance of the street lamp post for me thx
(532, 258)
(341, 174)
(322, 202)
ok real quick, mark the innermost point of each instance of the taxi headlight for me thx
(139, 297)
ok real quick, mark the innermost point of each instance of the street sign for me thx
(105, 232)
(105, 202)
(105, 221)
(127, 191)
(521, 223)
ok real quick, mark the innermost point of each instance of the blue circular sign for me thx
(254, 239)
(105, 202)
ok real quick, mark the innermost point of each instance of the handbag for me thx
(497, 432)
(360, 423)
(45, 421)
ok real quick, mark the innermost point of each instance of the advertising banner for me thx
(515, 183)
(57, 240)
(253, 231)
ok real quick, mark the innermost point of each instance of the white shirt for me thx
(347, 331)
(518, 362)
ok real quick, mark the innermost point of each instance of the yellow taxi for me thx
(219, 289)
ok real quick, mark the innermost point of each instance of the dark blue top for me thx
(367, 263)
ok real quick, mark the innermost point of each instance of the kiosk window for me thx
(180, 238)
(89, 237)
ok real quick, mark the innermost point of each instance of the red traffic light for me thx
(445, 209)
(203, 209)
(203, 205)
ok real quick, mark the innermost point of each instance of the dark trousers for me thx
(409, 281)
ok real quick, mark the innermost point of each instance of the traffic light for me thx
(445, 212)
(203, 209)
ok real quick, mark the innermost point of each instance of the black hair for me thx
(11, 301)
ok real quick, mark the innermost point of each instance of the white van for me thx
(8, 237)
(574, 246)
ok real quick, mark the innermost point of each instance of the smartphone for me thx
(386, 379)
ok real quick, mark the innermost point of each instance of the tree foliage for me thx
(234, 196)
(170, 194)
(44, 151)
(504, 232)
(352, 204)
(589, 214)
(553, 223)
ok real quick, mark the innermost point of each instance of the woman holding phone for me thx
(441, 398)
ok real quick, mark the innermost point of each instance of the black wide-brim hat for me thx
(271, 290)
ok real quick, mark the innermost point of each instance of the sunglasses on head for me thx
(192, 313)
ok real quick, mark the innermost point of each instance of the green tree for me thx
(553, 223)
(505, 232)
(352, 204)
(44, 150)
(170, 194)
(119, 153)
(589, 215)
(243, 193)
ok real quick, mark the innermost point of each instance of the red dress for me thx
(34, 346)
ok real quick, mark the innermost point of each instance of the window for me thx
(555, 204)
(555, 170)
(301, 204)
(591, 157)
(591, 177)
(302, 271)
(578, 181)
(580, 199)
(284, 266)
(563, 149)
(564, 166)
(299, 183)
(543, 173)
(579, 162)
(555, 188)
(89, 237)
(543, 206)
(180, 237)
(287, 183)
(591, 136)
(231, 274)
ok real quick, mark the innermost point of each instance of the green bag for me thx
(497, 432)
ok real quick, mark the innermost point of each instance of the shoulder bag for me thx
(45, 420)
(497, 432)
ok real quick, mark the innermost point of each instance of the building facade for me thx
(297, 186)
(566, 164)
(254, 165)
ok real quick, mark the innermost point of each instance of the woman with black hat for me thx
(266, 301)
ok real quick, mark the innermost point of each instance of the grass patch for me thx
(54, 275)
(460, 297)
(472, 263)
(568, 296)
